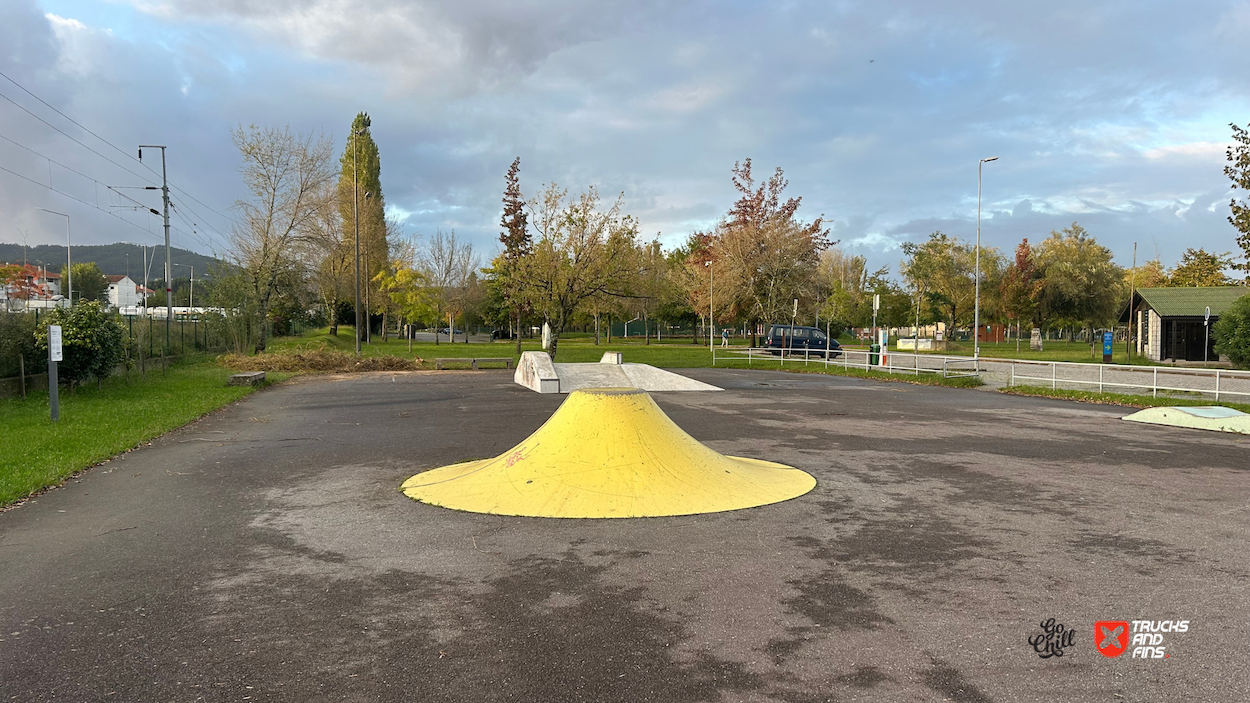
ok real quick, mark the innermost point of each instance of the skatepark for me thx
(267, 552)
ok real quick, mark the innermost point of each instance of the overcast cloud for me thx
(1113, 114)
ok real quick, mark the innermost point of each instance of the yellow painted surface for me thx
(608, 453)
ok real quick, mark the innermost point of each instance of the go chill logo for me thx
(1145, 638)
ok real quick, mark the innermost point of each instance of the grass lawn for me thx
(1131, 401)
(671, 355)
(98, 423)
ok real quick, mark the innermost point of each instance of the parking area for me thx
(265, 554)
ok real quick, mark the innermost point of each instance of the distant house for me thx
(1170, 320)
(124, 292)
(33, 287)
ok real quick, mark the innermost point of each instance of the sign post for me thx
(54, 355)
(1106, 347)
(1206, 334)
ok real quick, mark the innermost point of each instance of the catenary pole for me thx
(169, 261)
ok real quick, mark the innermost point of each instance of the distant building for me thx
(33, 287)
(1170, 320)
(124, 292)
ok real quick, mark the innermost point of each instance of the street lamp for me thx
(356, 228)
(69, 264)
(976, 315)
(191, 301)
(711, 316)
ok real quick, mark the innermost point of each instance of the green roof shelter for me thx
(1170, 320)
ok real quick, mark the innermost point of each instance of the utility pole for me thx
(169, 265)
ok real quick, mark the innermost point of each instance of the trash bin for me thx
(874, 356)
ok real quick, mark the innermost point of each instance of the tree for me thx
(1149, 275)
(449, 265)
(1197, 267)
(90, 284)
(1022, 284)
(762, 256)
(332, 256)
(943, 266)
(91, 342)
(1238, 171)
(284, 174)
(409, 291)
(1082, 283)
(581, 251)
(841, 282)
(517, 243)
(360, 188)
(1232, 333)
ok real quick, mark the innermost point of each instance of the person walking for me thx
(724, 337)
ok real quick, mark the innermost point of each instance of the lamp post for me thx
(191, 300)
(356, 228)
(711, 316)
(69, 264)
(976, 314)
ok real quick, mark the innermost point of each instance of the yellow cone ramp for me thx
(608, 453)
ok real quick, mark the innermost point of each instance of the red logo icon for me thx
(1111, 636)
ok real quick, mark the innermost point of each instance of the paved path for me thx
(264, 554)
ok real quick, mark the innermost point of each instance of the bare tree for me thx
(449, 265)
(285, 174)
(330, 255)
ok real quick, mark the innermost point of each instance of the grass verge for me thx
(921, 380)
(99, 423)
(1128, 401)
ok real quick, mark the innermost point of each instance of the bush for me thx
(17, 338)
(1232, 333)
(91, 342)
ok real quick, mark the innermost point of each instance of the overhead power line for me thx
(71, 138)
(102, 139)
(75, 198)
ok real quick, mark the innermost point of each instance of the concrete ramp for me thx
(536, 372)
(1203, 417)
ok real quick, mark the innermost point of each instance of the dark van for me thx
(798, 339)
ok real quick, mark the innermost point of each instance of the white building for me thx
(124, 292)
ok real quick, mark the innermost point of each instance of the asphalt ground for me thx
(264, 553)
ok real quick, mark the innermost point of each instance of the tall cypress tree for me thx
(354, 185)
(515, 237)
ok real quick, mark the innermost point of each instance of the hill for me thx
(111, 258)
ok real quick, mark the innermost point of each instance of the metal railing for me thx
(1220, 384)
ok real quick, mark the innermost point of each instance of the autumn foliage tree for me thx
(763, 257)
(1021, 285)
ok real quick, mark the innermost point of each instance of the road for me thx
(265, 554)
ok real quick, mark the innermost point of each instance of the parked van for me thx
(792, 339)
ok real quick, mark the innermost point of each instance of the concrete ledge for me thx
(611, 358)
(536, 372)
(248, 378)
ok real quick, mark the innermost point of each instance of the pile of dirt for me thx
(316, 361)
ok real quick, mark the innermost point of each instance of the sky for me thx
(1113, 114)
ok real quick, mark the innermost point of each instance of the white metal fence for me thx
(1221, 384)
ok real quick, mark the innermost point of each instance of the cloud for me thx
(1112, 114)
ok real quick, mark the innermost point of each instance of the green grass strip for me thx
(100, 423)
(1128, 401)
